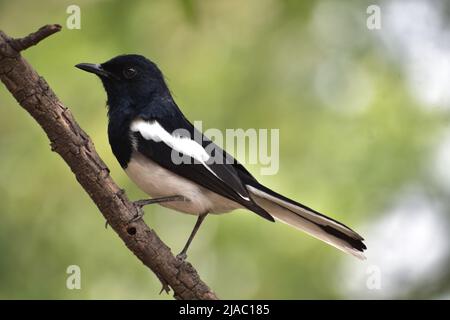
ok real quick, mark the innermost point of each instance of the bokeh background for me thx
(364, 137)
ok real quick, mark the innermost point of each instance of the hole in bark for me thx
(131, 231)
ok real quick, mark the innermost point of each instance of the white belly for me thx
(157, 181)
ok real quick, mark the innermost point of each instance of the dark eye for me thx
(129, 73)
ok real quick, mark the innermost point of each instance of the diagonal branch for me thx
(76, 148)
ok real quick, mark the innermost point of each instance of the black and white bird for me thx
(147, 131)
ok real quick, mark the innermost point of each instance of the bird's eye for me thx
(129, 73)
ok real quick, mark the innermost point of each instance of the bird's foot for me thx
(182, 256)
(139, 215)
(139, 204)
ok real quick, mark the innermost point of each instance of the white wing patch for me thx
(152, 130)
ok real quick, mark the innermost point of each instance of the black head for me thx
(129, 79)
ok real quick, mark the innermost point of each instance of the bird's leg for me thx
(182, 255)
(139, 204)
(144, 202)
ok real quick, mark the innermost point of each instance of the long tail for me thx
(308, 220)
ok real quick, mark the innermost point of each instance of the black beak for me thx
(96, 69)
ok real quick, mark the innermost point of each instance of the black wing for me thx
(220, 177)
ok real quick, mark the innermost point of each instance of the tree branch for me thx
(35, 37)
(76, 148)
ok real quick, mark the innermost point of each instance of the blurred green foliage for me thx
(248, 64)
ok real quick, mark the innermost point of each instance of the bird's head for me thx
(128, 79)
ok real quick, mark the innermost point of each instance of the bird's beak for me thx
(96, 69)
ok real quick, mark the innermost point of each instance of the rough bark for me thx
(76, 148)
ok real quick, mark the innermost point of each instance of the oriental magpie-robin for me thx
(148, 132)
